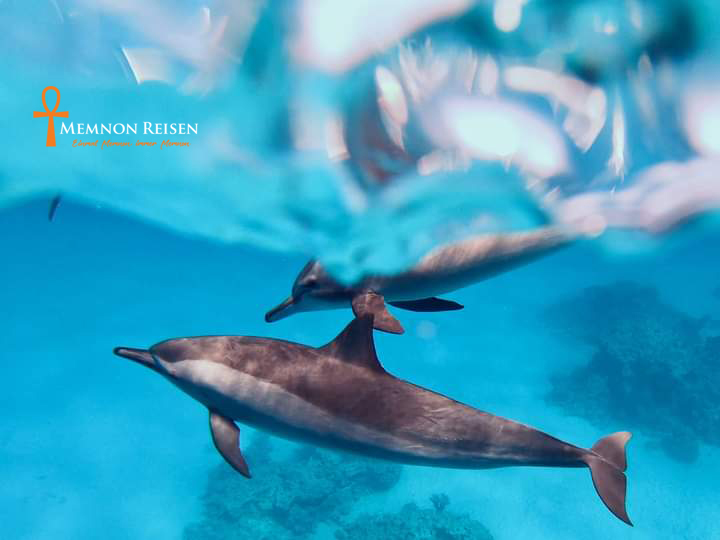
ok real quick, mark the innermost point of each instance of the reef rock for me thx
(287, 497)
(414, 523)
(653, 368)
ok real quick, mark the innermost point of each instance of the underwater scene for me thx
(358, 270)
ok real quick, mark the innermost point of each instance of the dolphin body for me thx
(339, 396)
(441, 271)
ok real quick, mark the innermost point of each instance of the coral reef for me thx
(287, 497)
(653, 369)
(440, 501)
(415, 523)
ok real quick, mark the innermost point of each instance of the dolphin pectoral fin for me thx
(607, 465)
(371, 303)
(226, 437)
(427, 304)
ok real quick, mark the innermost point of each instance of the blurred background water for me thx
(364, 134)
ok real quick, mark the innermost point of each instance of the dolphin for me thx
(339, 396)
(443, 270)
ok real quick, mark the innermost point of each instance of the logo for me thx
(51, 115)
(124, 129)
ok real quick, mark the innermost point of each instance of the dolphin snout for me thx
(141, 356)
(281, 311)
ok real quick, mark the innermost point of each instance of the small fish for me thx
(54, 203)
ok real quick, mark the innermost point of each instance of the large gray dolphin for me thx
(339, 396)
(441, 271)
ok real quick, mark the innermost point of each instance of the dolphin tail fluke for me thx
(607, 463)
(373, 304)
(612, 449)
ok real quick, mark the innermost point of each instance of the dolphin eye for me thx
(305, 285)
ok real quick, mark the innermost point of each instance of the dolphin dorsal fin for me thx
(355, 344)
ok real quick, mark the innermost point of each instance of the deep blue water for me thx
(92, 446)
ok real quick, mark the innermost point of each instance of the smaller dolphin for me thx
(441, 271)
(339, 396)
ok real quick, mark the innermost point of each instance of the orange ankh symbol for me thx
(51, 115)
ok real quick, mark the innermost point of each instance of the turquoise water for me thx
(456, 119)
(96, 447)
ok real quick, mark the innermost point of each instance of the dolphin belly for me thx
(269, 407)
(309, 424)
